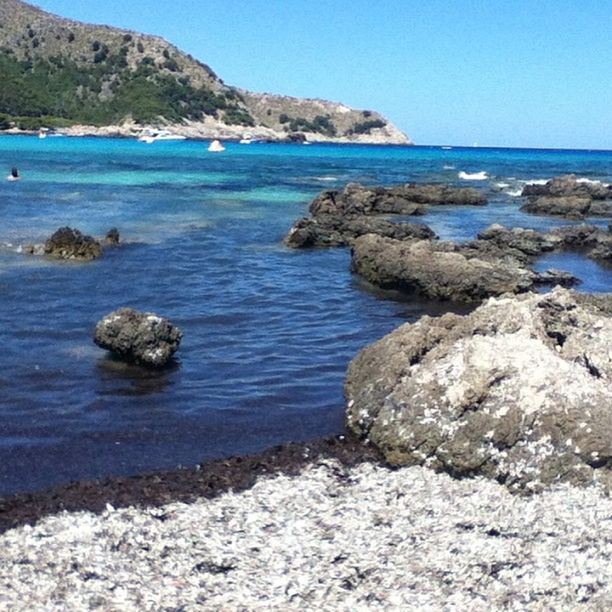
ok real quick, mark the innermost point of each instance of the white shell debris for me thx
(331, 538)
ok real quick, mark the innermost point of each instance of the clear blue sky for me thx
(535, 73)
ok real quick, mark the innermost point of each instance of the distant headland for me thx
(81, 78)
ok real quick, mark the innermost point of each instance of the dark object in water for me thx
(141, 337)
(112, 236)
(69, 243)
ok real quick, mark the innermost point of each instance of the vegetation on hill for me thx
(108, 91)
(56, 72)
(321, 124)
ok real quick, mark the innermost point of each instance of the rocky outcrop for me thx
(336, 230)
(140, 337)
(526, 241)
(444, 270)
(340, 216)
(592, 241)
(519, 391)
(568, 196)
(408, 199)
(69, 243)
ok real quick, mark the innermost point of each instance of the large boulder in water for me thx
(69, 243)
(140, 337)
(519, 391)
(438, 270)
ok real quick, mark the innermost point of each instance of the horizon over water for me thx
(268, 331)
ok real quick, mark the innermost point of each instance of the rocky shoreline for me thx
(321, 525)
(475, 472)
(212, 129)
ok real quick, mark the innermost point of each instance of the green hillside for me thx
(56, 72)
(57, 90)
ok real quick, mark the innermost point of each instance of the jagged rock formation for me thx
(141, 337)
(591, 240)
(58, 72)
(336, 230)
(568, 196)
(340, 216)
(444, 270)
(69, 243)
(518, 391)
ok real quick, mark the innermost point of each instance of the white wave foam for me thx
(580, 180)
(592, 182)
(502, 185)
(474, 176)
(515, 193)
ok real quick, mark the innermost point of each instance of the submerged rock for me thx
(69, 243)
(140, 337)
(519, 391)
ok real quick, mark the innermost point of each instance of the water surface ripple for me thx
(268, 332)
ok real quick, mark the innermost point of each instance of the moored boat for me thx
(216, 146)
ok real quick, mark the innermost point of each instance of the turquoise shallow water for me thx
(268, 332)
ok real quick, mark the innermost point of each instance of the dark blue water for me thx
(268, 332)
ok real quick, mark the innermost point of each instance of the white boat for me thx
(216, 147)
(246, 139)
(155, 135)
(42, 133)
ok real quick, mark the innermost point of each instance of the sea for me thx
(268, 331)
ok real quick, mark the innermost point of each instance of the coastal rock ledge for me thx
(519, 391)
(140, 337)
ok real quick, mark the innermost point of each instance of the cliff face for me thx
(58, 72)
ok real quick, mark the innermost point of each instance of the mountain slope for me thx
(59, 72)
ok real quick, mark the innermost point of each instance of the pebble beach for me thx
(324, 526)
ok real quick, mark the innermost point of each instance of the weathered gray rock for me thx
(524, 244)
(569, 185)
(436, 270)
(336, 230)
(593, 241)
(570, 197)
(140, 337)
(527, 241)
(69, 243)
(572, 207)
(339, 216)
(409, 199)
(519, 391)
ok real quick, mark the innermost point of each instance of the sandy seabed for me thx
(323, 525)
